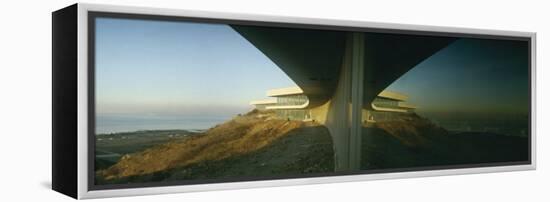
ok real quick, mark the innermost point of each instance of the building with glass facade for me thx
(291, 103)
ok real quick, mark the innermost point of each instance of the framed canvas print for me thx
(150, 101)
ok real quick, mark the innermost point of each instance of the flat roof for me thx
(294, 90)
(393, 95)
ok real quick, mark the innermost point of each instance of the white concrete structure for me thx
(341, 73)
(291, 103)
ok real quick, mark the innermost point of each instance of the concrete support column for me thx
(344, 112)
(357, 68)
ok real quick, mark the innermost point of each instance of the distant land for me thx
(115, 123)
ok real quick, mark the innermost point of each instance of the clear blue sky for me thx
(159, 67)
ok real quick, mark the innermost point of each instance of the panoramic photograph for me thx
(182, 101)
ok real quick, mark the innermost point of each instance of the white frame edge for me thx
(82, 99)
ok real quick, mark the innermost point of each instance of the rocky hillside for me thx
(411, 130)
(413, 141)
(249, 141)
(258, 145)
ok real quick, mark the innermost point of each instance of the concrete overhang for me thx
(295, 90)
(313, 58)
(387, 109)
(393, 95)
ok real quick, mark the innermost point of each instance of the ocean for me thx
(106, 124)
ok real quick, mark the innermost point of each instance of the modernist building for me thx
(341, 74)
(386, 106)
(288, 103)
(291, 103)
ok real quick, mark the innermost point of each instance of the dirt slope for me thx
(413, 141)
(239, 136)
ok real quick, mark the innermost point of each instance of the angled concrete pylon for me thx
(343, 112)
(341, 73)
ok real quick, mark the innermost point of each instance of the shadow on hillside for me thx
(381, 150)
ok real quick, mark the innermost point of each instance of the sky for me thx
(470, 76)
(178, 68)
